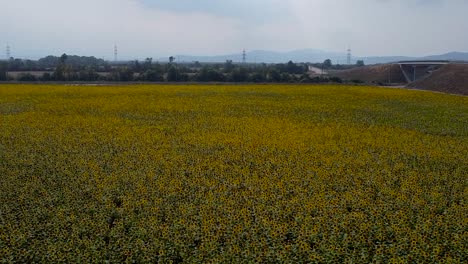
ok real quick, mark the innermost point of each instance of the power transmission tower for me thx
(8, 57)
(8, 52)
(115, 53)
(348, 56)
(244, 57)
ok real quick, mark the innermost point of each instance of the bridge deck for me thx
(423, 62)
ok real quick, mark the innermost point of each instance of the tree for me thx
(173, 74)
(63, 58)
(327, 64)
(291, 67)
(208, 74)
(152, 76)
(274, 76)
(15, 64)
(286, 77)
(148, 64)
(171, 59)
(76, 61)
(122, 74)
(3, 71)
(336, 79)
(61, 69)
(257, 77)
(305, 78)
(59, 73)
(88, 74)
(27, 77)
(360, 63)
(126, 74)
(239, 75)
(137, 66)
(46, 77)
(228, 66)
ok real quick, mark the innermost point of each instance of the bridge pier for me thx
(416, 70)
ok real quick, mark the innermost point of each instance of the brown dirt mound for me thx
(452, 78)
(378, 74)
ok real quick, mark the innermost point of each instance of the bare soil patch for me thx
(377, 74)
(451, 78)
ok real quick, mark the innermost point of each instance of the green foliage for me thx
(76, 68)
(88, 74)
(208, 74)
(174, 74)
(122, 74)
(61, 72)
(228, 66)
(63, 59)
(257, 77)
(239, 75)
(3, 71)
(327, 64)
(274, 76)
(27, 77)
(46, 77)
(152, 76)
(75, 61)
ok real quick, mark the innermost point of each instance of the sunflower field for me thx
(232, 174)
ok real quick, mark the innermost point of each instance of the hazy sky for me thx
(155, 28)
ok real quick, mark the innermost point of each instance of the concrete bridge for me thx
(416, 70)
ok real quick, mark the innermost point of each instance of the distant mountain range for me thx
(452, 56)
(311, 55)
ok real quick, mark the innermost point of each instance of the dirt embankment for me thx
(377, 74)
(451, 78)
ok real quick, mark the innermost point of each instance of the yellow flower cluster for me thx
(232, 174)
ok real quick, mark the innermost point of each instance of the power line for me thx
(244, 56)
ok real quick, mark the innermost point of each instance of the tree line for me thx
(80, 68)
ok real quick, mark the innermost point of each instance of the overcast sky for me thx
(156, 28)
